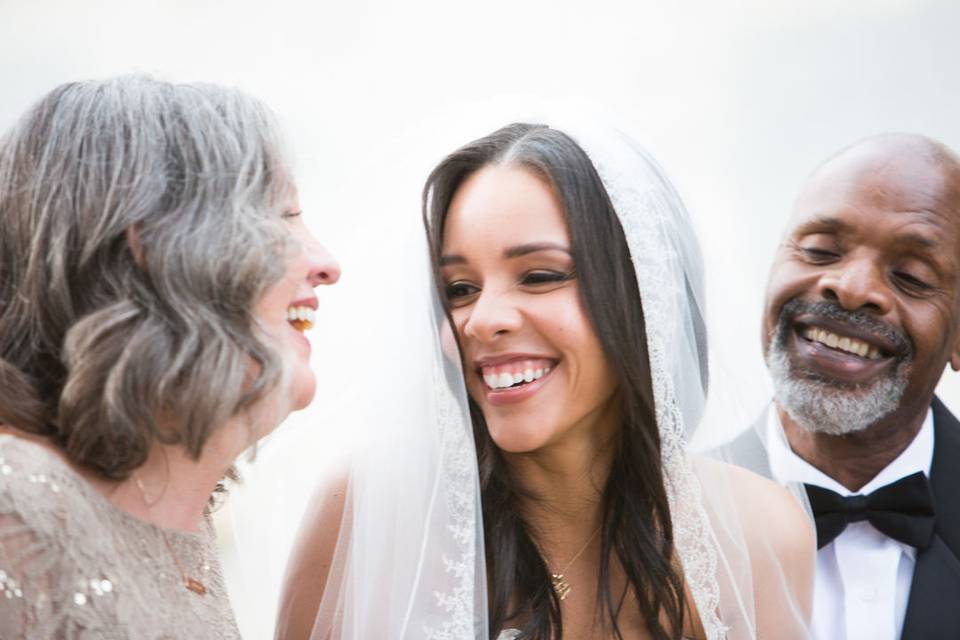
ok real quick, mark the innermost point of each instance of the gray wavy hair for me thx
(105, 347)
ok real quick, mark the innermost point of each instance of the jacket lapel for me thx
(933, 612)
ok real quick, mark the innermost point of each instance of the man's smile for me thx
(851, 351)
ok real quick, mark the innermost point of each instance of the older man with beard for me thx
(861, 319)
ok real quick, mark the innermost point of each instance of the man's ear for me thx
(955, 353)
(136, 246)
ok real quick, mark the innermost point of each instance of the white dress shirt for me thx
(863, 577)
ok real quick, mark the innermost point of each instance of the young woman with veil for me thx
(570, 277)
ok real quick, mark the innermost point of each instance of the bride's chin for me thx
(516, 439)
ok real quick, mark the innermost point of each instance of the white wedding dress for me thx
(409, 560)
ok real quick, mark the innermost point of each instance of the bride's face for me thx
(287, 308)
(531, 358)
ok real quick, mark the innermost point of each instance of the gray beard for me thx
(820, 406)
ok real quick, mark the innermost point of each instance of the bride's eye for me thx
(460, 290)
(545, 277)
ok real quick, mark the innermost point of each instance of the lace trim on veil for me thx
(644, 225)
(458, 474)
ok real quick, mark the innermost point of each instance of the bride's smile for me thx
(534, 364)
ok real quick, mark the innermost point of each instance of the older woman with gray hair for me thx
(156, 279)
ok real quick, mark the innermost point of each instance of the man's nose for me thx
(857, 284)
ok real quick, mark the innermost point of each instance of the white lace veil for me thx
(408, 562)
(409, 557)
(729, 564)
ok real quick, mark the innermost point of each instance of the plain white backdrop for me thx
(739, 100)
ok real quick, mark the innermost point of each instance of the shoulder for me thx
(46, 527)
(770, 515)
(769, 522)
(33, 478)
(309, 566)
(42, 497)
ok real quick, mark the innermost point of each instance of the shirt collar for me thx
(787, 466)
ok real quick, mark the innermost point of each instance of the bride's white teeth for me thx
(499, 379)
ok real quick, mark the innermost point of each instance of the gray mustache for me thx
(859, 319)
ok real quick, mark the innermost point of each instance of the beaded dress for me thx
(74, 566)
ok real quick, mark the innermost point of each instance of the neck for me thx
(855, 459)
(564, 481)
(171, 489)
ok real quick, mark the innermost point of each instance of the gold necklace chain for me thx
(191, 583)
(560, 585)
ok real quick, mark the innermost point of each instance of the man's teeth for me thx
(841, 343)
(302, 318)
(507, 379)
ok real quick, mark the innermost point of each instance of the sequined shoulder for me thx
(73, 565)
(40, 572)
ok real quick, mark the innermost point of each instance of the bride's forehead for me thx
(506, 204)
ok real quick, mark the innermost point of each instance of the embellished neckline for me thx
(65, 476)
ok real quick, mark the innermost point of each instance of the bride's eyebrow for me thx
(509, 252)
(447, 260)
(533, 247)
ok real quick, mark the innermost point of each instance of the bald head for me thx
(863, 300)
(912, 170)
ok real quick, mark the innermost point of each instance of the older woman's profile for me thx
(157, 280)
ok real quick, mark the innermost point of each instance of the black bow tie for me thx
(902, 510)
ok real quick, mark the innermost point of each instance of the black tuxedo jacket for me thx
(933, 611)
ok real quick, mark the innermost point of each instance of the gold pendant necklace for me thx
(560, 585)
(191, 583)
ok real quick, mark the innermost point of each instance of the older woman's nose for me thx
(325, 268)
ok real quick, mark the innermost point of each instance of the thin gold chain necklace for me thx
(560, 585)
(191, 583)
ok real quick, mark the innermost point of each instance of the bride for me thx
(570, 287)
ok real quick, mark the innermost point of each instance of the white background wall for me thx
(738, 99)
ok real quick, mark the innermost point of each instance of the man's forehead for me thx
(879, 178)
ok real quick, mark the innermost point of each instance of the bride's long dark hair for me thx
(636, 525)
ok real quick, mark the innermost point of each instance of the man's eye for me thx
(818, 256)
(534, 278)
(460, 290)
(291, 214)
(911, 281)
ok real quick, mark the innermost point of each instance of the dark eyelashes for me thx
(547, 277)
(456, 290)
(823, 256)
(461, 289)
(912, 280)
(817, 254)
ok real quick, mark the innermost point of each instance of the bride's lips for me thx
(517, 362)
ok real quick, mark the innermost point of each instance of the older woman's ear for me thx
(134, 243)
